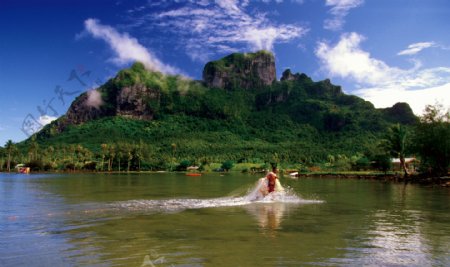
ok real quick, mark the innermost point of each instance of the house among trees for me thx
(411, 164)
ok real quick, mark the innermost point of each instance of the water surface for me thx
(175, 220)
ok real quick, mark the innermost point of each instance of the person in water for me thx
(270, 184)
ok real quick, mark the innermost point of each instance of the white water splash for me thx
(179, 204)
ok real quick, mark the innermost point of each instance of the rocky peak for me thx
(400, 113)
(289, 76)
(136, 102)
(80, 111)
(325, 87)
(247, 71)
(127, 95)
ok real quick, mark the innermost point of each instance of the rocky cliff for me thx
(80, 112)
(140, 94)
(321, 88)
(400, 113)
(136, 92)
(127, 95)
(136, 102)
(289, 76)
(247, 71)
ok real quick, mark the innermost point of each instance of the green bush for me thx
(382, 163)
(227, 165)
(35, 165)
(183, 165)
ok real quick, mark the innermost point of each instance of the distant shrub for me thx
(183, 165)
(35, 165)
(69, 167)
(362, 164)
(90, 166)
(48, 167)
(382, 163)
(227, 165)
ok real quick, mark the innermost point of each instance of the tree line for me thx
(428, 140)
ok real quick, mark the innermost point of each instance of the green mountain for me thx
(239, 112)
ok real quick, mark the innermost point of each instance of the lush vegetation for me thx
(237, 69)
(432, 140)
(298, 124)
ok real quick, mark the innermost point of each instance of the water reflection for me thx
(396, 238)
(120, 220)
(400, 234)
(268, 215)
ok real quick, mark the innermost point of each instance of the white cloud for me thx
(339, 10)
(46, 119)
(416, 48)
(94, 99)
(346, 59)
(281, 1)
(230, 6)
(220, 26)
(380, 83)
(126, 48)
(417, 99)
(264, 38)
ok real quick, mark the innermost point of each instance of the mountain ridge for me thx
(236, 103)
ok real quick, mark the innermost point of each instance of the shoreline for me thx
(413, 179)
(390, 177)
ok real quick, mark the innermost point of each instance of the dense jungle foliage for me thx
(298, 123)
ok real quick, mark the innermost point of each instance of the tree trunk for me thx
(130, 157)
(403, 165)
(8, 165)
(112, 162)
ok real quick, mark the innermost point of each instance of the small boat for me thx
(24, 170)
(193, 174)
(21, 168)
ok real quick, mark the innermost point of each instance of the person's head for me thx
(271, 176)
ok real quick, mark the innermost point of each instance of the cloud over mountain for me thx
(126, 48)
(380, 83)
(220, 26)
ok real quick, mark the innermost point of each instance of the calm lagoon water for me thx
(175, 220)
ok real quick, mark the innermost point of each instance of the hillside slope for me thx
(239, 112)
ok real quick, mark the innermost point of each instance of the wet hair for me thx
(271, 174)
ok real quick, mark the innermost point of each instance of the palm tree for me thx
(104, 151)
(396, 144)
(33, 149)
(174, 150)
(129, 158)
(112, 154)
(119, 155)
(139, 158)
(10, 148)
(139, 153)
(50, 153)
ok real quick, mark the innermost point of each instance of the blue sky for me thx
(385, 51)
